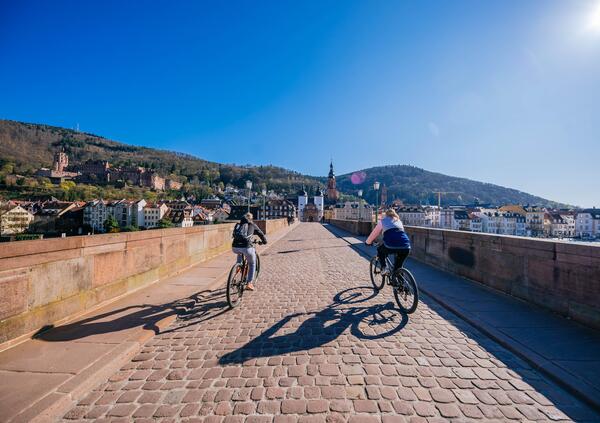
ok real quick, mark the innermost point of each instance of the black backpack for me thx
(240, 234)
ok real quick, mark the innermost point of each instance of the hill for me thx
(30, 146)
(24, 147)
(413, 185)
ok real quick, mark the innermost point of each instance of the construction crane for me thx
(439, 195)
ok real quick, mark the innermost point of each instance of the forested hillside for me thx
(413, 185)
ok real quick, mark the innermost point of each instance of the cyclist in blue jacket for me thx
(395, 240)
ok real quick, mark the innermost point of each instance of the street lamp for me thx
(376, 187)
(264, 193)
(249, 186)
(360, 192)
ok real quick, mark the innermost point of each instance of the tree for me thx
(67, 185)
(165, 222)
(111, 224)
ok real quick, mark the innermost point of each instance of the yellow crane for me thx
(439, 195)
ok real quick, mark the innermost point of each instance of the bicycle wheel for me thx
(406, 291)
(257, 270)
(235, 285)
(377, 279)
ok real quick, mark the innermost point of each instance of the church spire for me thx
(332, 194)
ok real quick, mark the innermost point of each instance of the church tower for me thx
(332, 194)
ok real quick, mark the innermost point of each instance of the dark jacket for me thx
(251, 229)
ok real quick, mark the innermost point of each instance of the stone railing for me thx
(271, 225)
(353, 226)
(45, 281)
(561, 276)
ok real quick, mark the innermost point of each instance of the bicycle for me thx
(406, 291)
(236, 282)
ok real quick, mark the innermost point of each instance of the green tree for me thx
(165, 222)
(67, 185)
(111, 224)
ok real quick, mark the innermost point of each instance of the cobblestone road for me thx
(315, 344)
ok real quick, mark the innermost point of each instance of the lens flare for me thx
(358, 177)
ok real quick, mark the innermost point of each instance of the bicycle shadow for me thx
(203, 305)
(324, 326)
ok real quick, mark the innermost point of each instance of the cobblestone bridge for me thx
(315, 343)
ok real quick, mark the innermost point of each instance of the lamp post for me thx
(376, 187)
(249, 186)
(264, 193)
(360, 192)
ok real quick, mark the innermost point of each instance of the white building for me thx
(556, 226)
(569, 220)
(432, 216)
(354, 210)
(153, 213)
(14, 219)
(413, 215)
(128, 212)
(534, 217)
(446, 218)
(95, 214)
(587, 224)
(475, 222)
(181, 218)
(311, 210)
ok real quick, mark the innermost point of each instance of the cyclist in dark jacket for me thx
(395, 240)
(242, 244)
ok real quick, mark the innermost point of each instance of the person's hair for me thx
(249, 216)
(392, 213)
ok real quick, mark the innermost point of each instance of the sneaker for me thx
(385, 271)
(250, 287)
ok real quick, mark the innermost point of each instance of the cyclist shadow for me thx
(201, 306)
(324, 326)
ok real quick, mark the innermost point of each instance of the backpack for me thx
(240, 234)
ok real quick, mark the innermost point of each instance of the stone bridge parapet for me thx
(44, 282)
(561, 276)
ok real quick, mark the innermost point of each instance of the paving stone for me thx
(306, 348)
(448, 411)
(293, 406)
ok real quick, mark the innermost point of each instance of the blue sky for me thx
(499, 91)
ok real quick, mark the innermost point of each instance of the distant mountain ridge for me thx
(414, 185)
(33, 145)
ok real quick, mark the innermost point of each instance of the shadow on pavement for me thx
(566, 402)
(365, 322)
(200, 306)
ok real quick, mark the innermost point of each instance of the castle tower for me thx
(61, 161)
(319, 203)
(332, 194)
(302, 202)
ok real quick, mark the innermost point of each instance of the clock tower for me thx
(332, 194)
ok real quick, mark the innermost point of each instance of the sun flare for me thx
(593, 20)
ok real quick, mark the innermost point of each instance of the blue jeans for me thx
(250, 254)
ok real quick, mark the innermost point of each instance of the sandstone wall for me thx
(561, 276)
(44, 281)
(353, 226)
(271, 225)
